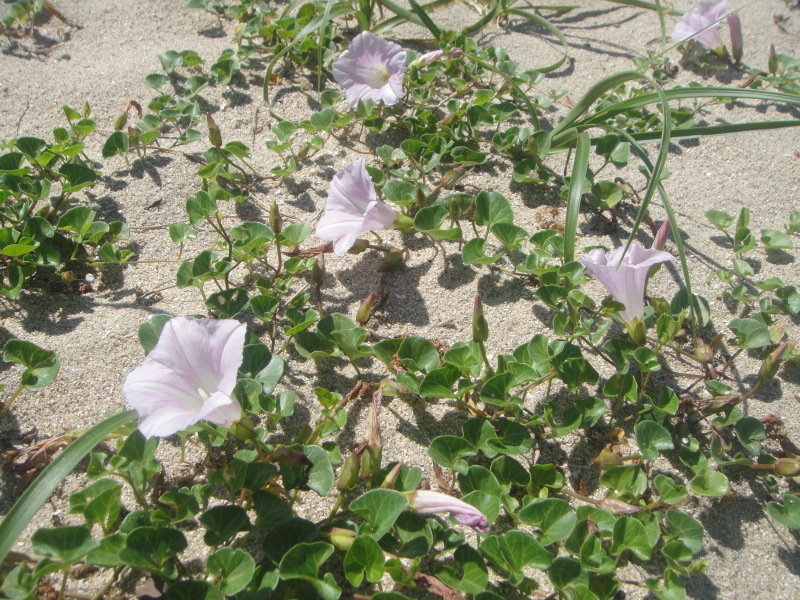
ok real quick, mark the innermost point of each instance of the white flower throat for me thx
(377, 75)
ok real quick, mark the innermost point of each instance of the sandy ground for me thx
(104, 62)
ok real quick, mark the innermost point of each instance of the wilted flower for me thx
(189, 376)
(625, 277)
(701, 24)
(425, 502)
(371, 69)
(352, 208)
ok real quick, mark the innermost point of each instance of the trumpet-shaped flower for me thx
(625, 277)
(701, 24)
(425, 502)
(371, 69)
(189, 376)
(352, 208)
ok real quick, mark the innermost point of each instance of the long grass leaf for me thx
(575, 194)
(691, 132)
(687, 93)
(541, 21)
(426, 19)
(648, 6)
(48, 480)
(589, 98)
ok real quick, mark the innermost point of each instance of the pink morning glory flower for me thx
(426, 502)
(701, 24)
(353, 208)
(371, 69)
(189, 376)
(625, 278)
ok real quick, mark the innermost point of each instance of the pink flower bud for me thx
(426, 502)
(737, 41)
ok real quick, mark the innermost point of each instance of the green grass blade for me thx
(522, 95)
(542, 22)
(685, 93)
(391, 22)
(589, 98)
(48, 480)
(426, 19)
(648, 6)
(326, 17)
(401, 12)
(575, 194)
(691, 132)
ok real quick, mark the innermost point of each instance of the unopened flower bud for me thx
(359, 246)
(348, 476)
(769, 368)
(303, 436)
(451, 178)
(660, 240)
(480, 326)
(120, 121)
(786, 466)
(393, 258)
(67, 277)
(341, 539)
(772, 60)
(371, 458)
(133, 136)
(450, 119)
(703, 352)
(637, 330)
(606, 460)
(393, 388)
(618, 506)
(244, 428)
(404, 223)
(214, 134)
(365, 310)
(318, 270)
(275, 220)
(290, 457)
(737, 41)
(391, 477)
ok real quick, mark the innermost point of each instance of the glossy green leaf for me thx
(234, 568)
(41, 366)
(380, 508)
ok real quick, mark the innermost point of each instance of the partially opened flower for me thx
(625, 278)
(431, 57)
(353, 208)
(426, 502)
(701, 24)
(371, 69)
(189, 376)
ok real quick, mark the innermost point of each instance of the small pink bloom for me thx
(625, 278)
(353, 208)
(701, 24)
(189, 376)
(371, 69)
(426, 503)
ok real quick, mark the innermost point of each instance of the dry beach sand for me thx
(104, 62)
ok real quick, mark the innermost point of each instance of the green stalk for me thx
(48, 480)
